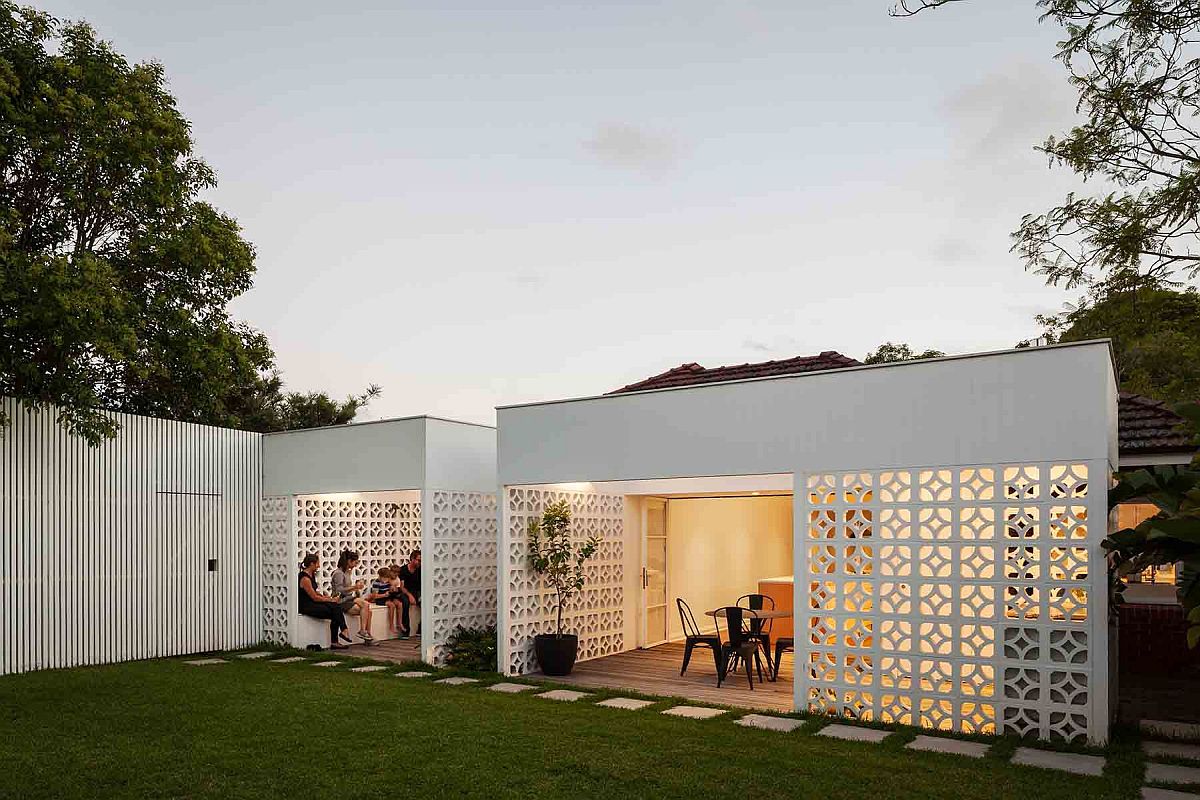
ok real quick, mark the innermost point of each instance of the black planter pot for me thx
(556, 654)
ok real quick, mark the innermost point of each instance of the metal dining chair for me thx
(760, 629)
(782, 644)
(739, 646)
(694, 637)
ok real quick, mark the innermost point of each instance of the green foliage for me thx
(472, 648)
(1173, 534)
(1155, 333)
(1134, 67)
(890, 352)
(114, 275)
(553, 556)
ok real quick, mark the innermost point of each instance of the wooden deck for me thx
(656, 671)
(393, 650)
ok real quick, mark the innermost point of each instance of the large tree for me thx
(115, 276)
(889, 352)
(1155, 333)
(1136, 69)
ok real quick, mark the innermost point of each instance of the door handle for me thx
(645, 580)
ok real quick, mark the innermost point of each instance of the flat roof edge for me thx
(1107, 342)
(413, 418)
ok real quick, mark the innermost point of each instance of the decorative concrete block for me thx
(204, 662)
(252, 656)
(1172, 749)
(853, 734)
(564, 695)
(627, 703)
(1066, 762)
(766, 723)
(457, 681)
(510, 688)
(1171, 773)
(288, 660)
(370, 668)
(1170, 730)
(694, 712)
(939, 744)
(327, 663)
(416, 673)
(1150, 793)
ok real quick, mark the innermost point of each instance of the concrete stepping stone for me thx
(1065, 762)
(694, 712)
(766, 723)
(416, 673)
(288, 660)
(457, 681)
(564, 695)
(627, 703)
(852, 733)
(510, 688)
(369, 668)
(1171, 773)
(1172, 749)
(940, 744)
(1151, 793)
(204, 662)
(327, 663)
(1170, 730)
(259, 654)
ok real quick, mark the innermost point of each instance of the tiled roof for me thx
(693, 374)
(1144, 426)
(1147, 427)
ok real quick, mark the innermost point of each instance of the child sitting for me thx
(381, 595)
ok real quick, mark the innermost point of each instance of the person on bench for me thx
(349, 593)
(321, 606)
(408, 590)
(381, 595)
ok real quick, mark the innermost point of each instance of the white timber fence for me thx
(144, 546)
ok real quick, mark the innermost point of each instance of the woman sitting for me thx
(315, 604)
(349, 593)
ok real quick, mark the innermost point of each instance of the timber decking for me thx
(655, 671)
(394, 650)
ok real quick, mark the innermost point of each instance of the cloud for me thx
(953, 250)
(629, 147)
(529, 279)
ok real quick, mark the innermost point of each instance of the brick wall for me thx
(1153, 640)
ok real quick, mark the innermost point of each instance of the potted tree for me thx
(560, 564)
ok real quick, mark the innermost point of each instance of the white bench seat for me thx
(313, 631)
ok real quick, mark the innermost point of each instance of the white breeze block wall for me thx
(963, 598)
(279, 570)
(597, 613)
(460, 564)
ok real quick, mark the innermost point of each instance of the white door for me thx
(654, 572)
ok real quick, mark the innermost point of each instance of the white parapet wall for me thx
(146, 545)
(947, 527)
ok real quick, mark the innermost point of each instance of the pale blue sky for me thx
(476, 204)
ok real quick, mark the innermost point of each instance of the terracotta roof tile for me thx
(1147, 427)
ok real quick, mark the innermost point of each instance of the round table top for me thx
(764, 613)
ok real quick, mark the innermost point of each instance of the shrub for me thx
(472, 648)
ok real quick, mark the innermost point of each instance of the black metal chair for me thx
(740, 646)
(694, 637)
(782, 644)
(760, 629)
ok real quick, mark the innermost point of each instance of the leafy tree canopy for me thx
(888, 352)
(1135, 67)
(1155, 333)
(114, 276)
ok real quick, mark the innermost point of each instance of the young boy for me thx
(381, 595)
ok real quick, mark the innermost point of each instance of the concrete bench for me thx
(313, 631)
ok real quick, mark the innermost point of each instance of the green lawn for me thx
(257, 730)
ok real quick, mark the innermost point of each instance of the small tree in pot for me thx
(553, 557)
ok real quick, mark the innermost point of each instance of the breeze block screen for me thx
(956, 598)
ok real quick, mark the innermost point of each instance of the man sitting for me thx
(406, 587)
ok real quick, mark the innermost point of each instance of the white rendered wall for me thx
(1021, 405)
(361, 457)
(719, 548)
(104, 550)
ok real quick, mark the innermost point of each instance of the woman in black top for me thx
(315, 604)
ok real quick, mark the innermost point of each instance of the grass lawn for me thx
(255, 730)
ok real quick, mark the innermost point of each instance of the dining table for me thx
(755, 613)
